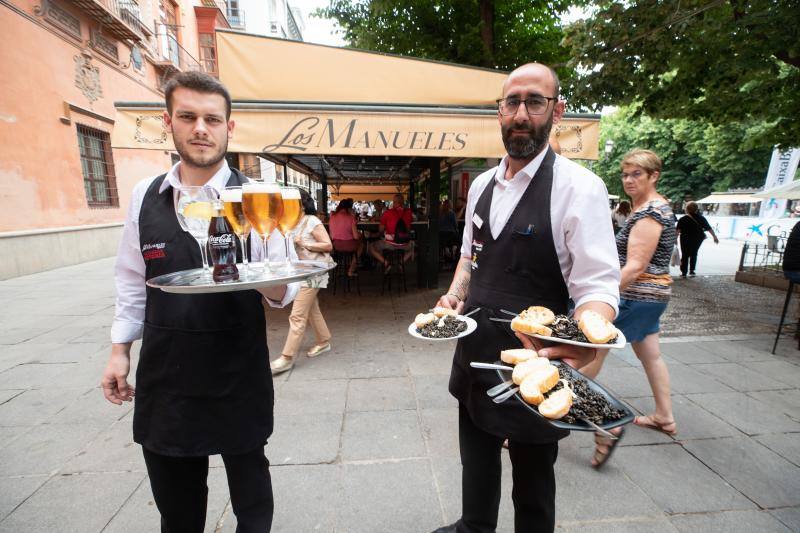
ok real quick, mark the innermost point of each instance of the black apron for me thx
(518, 270)
(203, 385)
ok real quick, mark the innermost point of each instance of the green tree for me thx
(487, 33)
(720, 61)
(698, 157)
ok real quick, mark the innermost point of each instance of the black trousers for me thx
(689, 250)
(534, 492)
(181, 493)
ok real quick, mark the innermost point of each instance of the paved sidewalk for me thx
(366, 435)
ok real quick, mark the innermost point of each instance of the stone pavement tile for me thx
(736, 352)
(756, 471)
(614, 361)
(432, 392)
(781, 371)
(8, 394)
(626, 382)
(745, 413)
(380, 394)
(15, 490)
(789, 516)
(729, 522)
(785, 401)
(35, 406)
(307, 498)
(63, 353)
(307, 438)
(629, 525)
(86, 374)
(9, 433)
(377, 364)
(739, 377)
(787, 445)
(586, 494)
(690, 353)
(325, 366)
(53, 507)
(33, 376)
(684, 379)
(663, 473)
(320, 396)
(440, 431)
(63, 334)
(370, 435)
(113, 450)
(18, 335)
(693, 421)
(429, 364)
(45, 449)
(627, 355)
(415, 508)
(91, 408)
(637, 435)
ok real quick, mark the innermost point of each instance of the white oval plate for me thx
(620, 343)
(471, 327)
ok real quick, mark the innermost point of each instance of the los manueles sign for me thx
(314, 132)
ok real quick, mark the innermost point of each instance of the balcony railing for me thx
(174, 57)
(121, 18)
(235, 17)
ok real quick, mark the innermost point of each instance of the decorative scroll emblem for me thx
(141, 138)
(87, 78)
(578, 148)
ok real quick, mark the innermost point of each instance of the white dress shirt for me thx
(129, 271)
(580, 218)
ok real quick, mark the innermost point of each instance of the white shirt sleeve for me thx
(589, 239)
(129, 275)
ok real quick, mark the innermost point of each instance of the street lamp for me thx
(609, 147)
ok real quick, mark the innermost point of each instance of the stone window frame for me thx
(97, 167)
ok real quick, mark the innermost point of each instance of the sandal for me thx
(650, 422)
(600, 458)
(281, 364)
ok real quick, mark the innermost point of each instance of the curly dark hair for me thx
(309, 206)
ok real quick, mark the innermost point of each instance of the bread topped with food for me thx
(597, 328)
(534, 321)
(423, 319)
(524, 368)
(517, 355)
(440, 312)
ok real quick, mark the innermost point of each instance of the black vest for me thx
(203, 384)
(517, 270)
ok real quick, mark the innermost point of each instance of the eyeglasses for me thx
(636, 174)
(534, 105)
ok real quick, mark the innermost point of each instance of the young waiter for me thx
(538, 232)
(203, 385)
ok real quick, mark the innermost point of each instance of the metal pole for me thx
(324, 193)
(434, 186)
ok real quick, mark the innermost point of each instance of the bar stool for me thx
(343, 260)
(394, 257)
(793, 277)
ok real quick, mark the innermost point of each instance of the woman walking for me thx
(311, 242)
(692, 230)
(644, 245)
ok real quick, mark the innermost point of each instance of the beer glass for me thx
(195, 209)
(290, 216)
(234, 213)
(262, 206)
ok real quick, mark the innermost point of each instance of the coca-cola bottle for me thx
(222, 243)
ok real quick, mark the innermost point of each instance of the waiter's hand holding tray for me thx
(442, 324)
(195, 281)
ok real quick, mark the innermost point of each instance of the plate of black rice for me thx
(593, 402)
(565, 330)
(446, 328)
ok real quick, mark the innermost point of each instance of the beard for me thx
(206, 160)
(525, 147)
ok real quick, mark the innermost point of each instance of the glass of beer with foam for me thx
(231, 198)
(262, 206)
(291, 215)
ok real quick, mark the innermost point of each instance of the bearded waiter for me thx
(203, 382)
(538, 232)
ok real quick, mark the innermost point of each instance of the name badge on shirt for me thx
(478, 221)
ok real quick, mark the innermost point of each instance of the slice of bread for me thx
(540, 315)
(596, 327)
(439, 312)
(423, 319)
(557, 404)
(523, 325)
(546, 376)
(517, 355)
(529, 390)
(526, 367)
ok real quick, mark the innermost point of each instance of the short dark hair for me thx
(196, 81)
(309, 207)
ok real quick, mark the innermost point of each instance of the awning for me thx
(298, 98)
(729, 199)
(789, 191)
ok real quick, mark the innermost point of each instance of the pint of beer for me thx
(233, 210)
(292, 210)
(262, 206)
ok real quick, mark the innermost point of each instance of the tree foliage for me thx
(722, 61)
(698, 157)
(487, 33)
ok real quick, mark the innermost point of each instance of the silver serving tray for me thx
(192, 282)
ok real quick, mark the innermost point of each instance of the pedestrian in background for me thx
(620, 215)
(644, 246)
(312, 243)
(692, 228)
